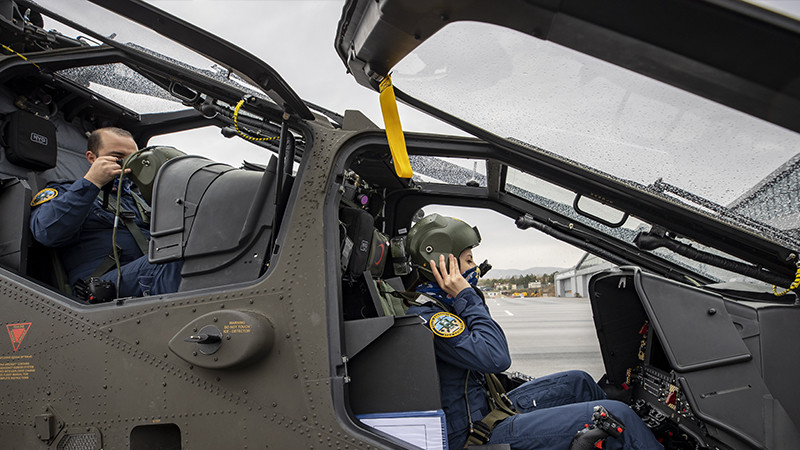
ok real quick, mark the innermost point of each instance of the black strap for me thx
(502, 408)
(105, 265)
(142, 206)
(127, 218)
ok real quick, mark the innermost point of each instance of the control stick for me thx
(594, 436)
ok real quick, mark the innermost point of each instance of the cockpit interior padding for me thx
(217, 218)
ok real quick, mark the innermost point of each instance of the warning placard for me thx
(236, 327)
(17, 332)
(17, 367)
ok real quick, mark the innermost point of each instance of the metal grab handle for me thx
(596, 218)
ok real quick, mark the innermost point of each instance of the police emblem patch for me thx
(43, 196)
(446, 325)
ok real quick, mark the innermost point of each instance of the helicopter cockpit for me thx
(296, 258)
(49, 106)
(647, 339)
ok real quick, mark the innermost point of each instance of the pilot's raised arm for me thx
(466, 334)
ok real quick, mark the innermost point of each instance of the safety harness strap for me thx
(497, 394)
(105, 265)
(136, 232)
(502, 408)
(481, 431)
(127, 218)
(142, 206)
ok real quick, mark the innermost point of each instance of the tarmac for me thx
(549, 334)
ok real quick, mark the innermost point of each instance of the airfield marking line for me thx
(509, 312)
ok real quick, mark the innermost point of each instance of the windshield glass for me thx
(559, 200)
(122, 31)
(119, 83)
(613, 120)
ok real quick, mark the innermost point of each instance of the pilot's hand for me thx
(103, 170)
(450, 281)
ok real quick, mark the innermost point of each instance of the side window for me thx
(209, 142)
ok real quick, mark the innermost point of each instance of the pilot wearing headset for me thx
(545, 413)
(77, 218)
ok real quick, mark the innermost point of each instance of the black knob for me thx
(203, 338)
(208, 340)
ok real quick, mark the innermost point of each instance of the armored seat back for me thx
(216, 218)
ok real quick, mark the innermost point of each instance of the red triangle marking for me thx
(17, 332)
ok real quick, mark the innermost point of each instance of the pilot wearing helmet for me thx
(544, 413)
(77, 218)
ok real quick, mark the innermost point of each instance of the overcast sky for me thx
(296, 38)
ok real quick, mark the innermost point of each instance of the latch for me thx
(208, 340)
(47, 425)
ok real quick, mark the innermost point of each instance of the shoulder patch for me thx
(446, 325)
(45, 195)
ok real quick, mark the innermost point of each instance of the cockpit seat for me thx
(35, 151)
(218, 219)
(386, 347)
(15, 199)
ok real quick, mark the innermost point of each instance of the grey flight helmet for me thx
(144, 165)
(436, 235)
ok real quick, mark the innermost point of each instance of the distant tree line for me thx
(520, 280)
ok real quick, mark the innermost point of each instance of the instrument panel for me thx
(693, 364)
(663, 405)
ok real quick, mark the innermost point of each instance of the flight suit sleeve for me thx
(58, 220)
(481, 346)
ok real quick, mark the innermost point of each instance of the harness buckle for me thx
(127, 215)
(479, 433)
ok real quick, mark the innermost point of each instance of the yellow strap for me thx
(20, 55)
(394, 132)
(793, 286)
(241, 133)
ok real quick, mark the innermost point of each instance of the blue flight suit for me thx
(75, 222)
(552, 408)
(481, 347)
